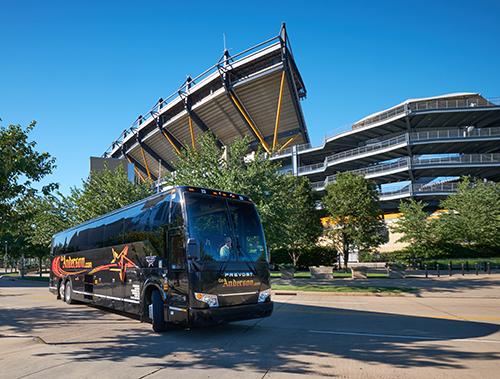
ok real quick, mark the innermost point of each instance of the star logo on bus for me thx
(119, 263)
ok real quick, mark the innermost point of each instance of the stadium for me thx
(416, 149)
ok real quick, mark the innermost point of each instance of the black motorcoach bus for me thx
(188, 256)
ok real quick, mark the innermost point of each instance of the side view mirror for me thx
(193, 252)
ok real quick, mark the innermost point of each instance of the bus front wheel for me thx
(156, 312)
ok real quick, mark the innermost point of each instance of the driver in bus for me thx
(226, 248)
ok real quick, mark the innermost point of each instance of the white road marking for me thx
(404, 337)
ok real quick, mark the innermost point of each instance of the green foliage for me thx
(317, 256)
(308, 256)
(44, 216)
(353, 206)
(470, 227)
(457, 263)
(102, 193)
(286, 266)
(286, 204)
(395, 265)
(417, 229)
(473, 214)
(303, 225)
(20, 166)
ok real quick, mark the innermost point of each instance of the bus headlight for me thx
(263, 295)
(211, 300)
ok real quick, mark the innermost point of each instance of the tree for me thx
(278, 197)
(44, 216)
(473, 214)
(303, 224)
(20, 165)
(417, 229)
(356, 219)
(102, 193)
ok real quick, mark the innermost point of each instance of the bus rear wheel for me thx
(157, 312)
(61, 290)
(68, 293)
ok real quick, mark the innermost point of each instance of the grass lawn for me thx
(30, 278)
(358, 289)
(307, 275)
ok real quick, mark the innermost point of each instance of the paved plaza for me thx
(448, 328)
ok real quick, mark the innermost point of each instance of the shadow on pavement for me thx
(294, 340)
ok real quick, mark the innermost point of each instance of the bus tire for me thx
(68, 293)
(158, 320)
(60, 292)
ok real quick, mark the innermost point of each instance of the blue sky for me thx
(85, 70)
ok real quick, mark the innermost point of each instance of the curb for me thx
(407, 294)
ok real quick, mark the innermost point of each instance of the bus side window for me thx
(72, 241)
(96, 235)
(59, 245)
(177, 252)
(176, 218)
(113, 230)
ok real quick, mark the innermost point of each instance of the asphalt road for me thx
(309, 335)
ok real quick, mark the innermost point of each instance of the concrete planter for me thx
(287, 273)
(359, 272)
(396, 273)
(321, 272)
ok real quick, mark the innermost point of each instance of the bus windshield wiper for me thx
(242, 249)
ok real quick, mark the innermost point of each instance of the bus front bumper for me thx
(210, 316)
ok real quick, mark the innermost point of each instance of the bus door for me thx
(178, 285)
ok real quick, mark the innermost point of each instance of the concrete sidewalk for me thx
(468, 286)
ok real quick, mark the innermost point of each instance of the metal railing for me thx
(416, 161)
(454, 103)
(345, 155)
(377, 169)
(155, 110)
(414, 189)
(460, 159)
(412, 137)
(383, 116)
(454, 134)
(412, 106)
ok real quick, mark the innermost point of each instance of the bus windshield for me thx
(225, 230)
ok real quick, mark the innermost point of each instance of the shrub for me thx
(315, 256)
(395, 265)
(287, 266)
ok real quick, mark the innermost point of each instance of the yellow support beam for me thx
(192, 133)
(146, 164)
(279, 110)
(171, 142)
(288, 142)
(137, 171)
(254, 128)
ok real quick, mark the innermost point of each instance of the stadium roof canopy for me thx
(254, 93)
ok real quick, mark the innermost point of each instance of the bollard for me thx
(426, 271)
(489, 271)
(449, 267)
(476, 268)
(437, 268)
(463, 270)
(467, 264)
